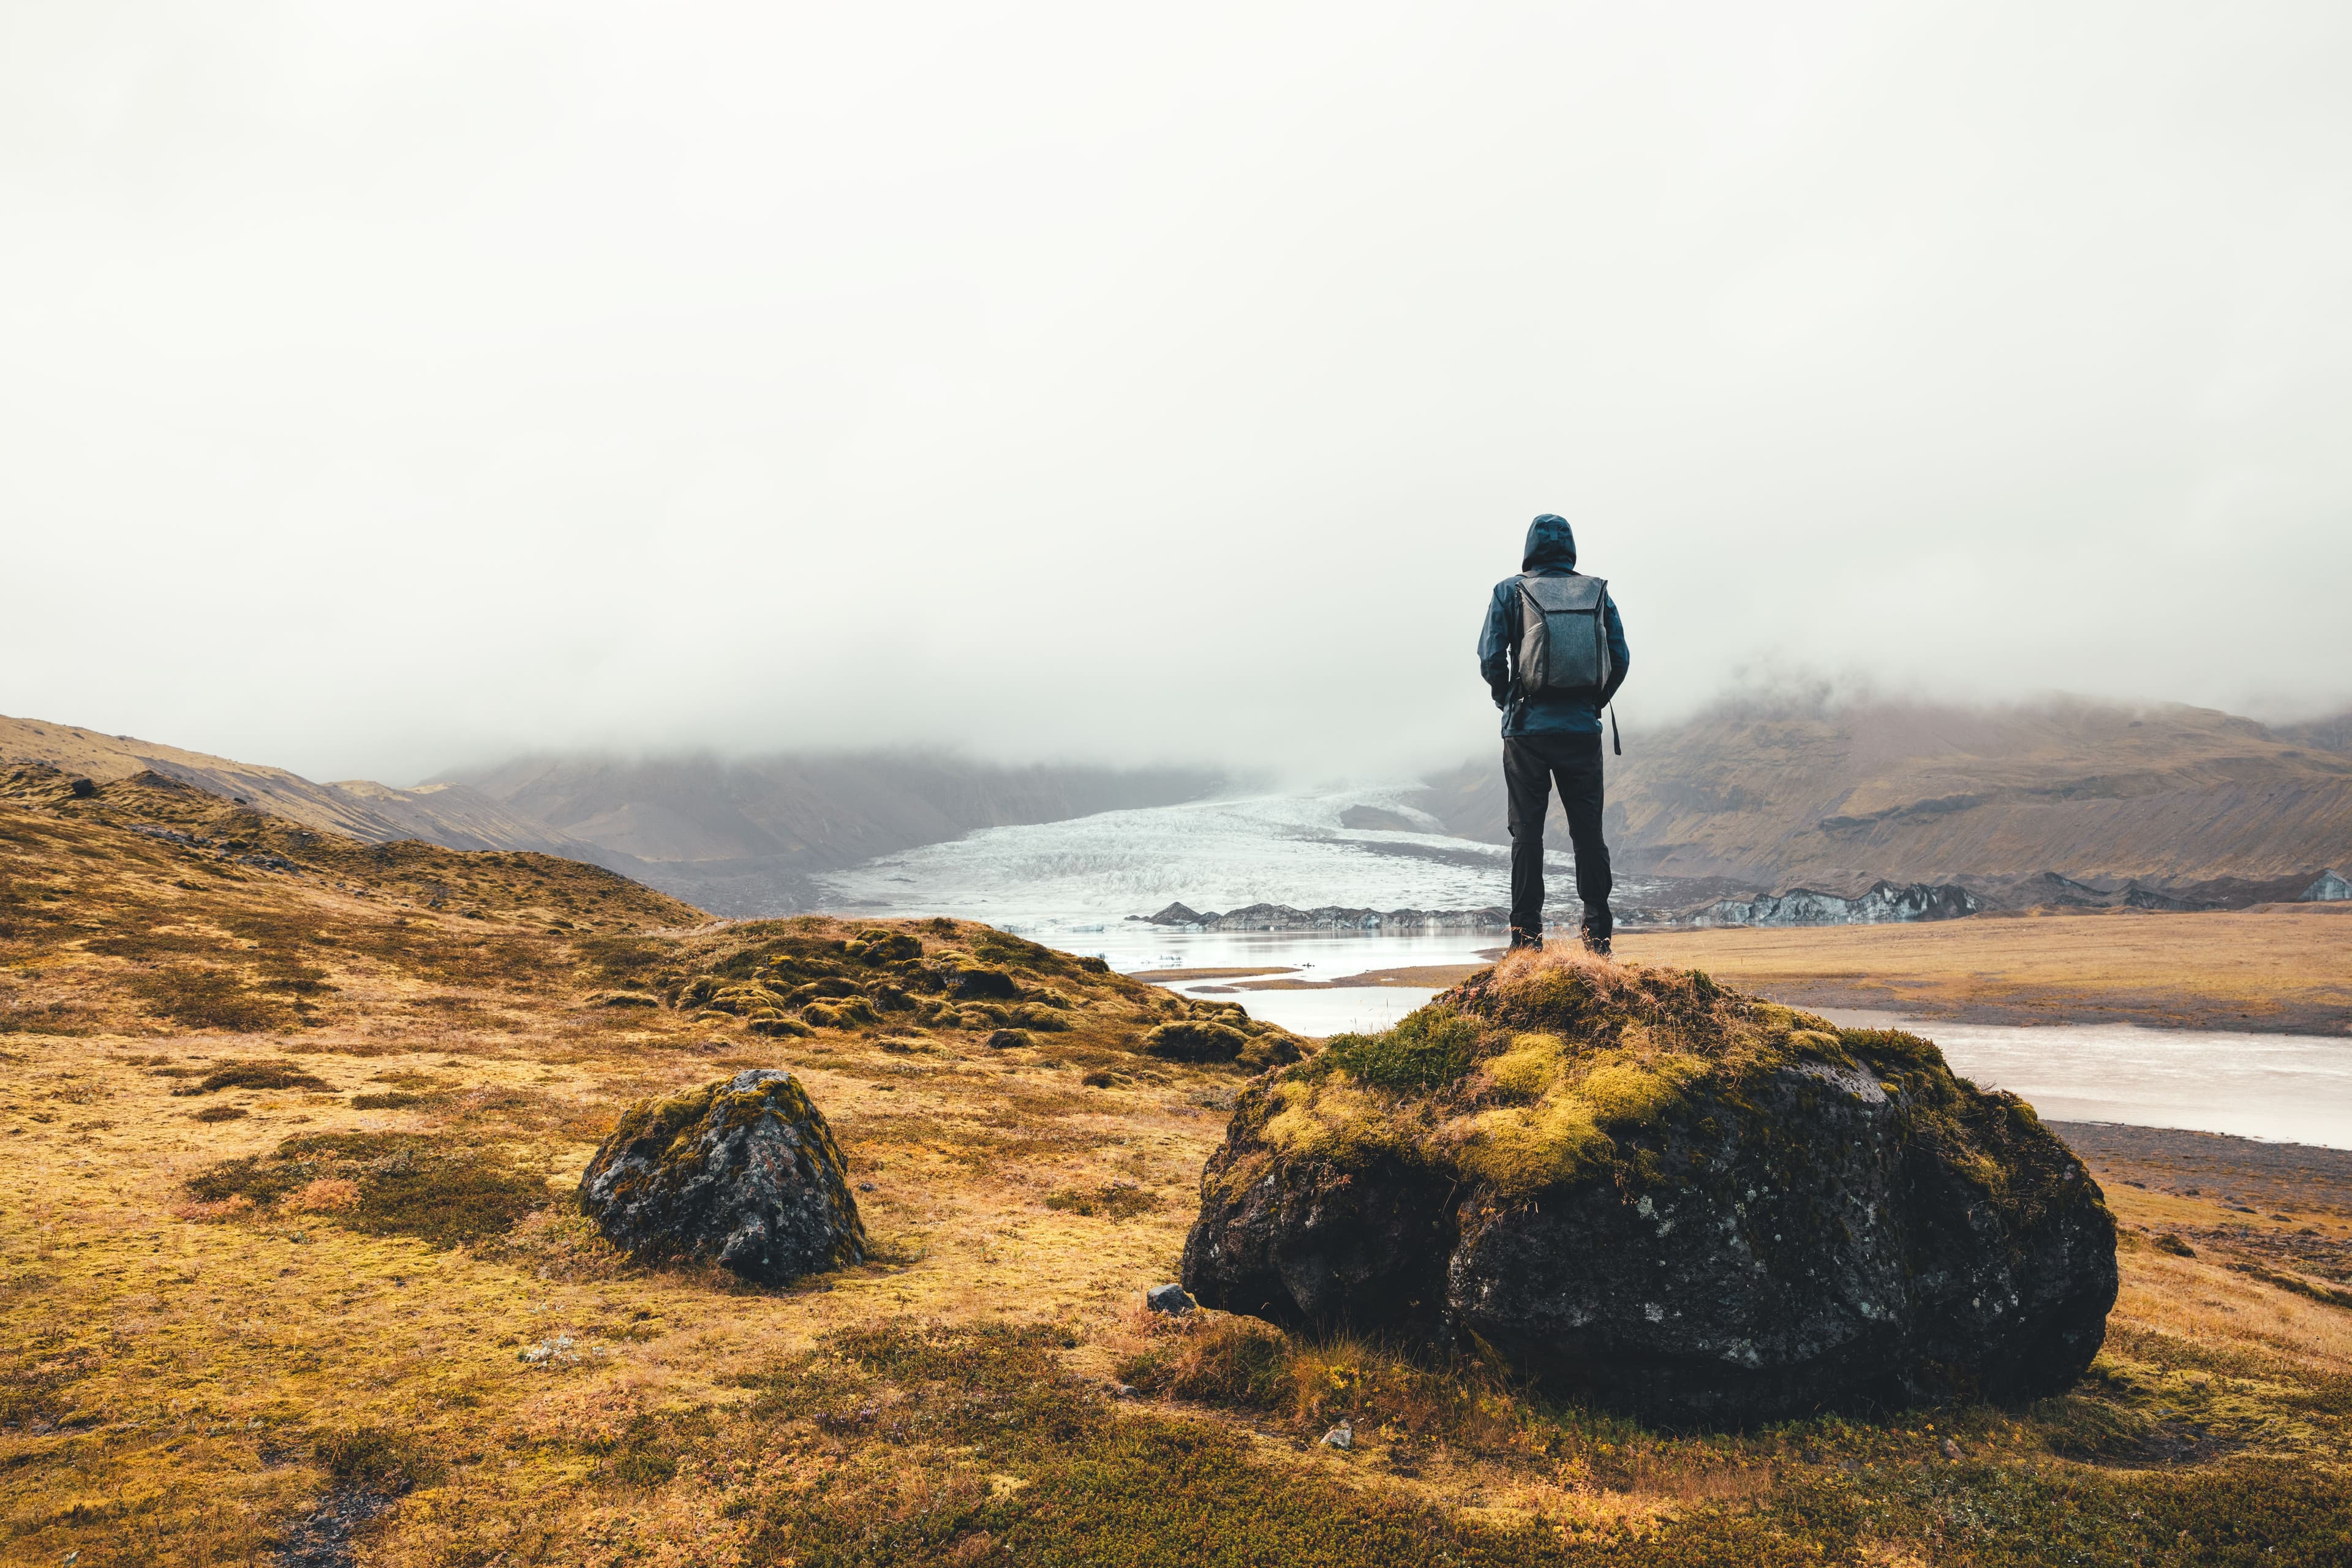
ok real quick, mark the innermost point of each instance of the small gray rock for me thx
(1122, 1391)
(1343, 1436)
(1169, 1299)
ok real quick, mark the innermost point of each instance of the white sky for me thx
(386, 387)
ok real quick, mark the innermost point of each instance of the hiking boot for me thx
(1531, 940)
(1596, 941)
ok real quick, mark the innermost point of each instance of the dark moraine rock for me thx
(1697, 1206)
(743, 1174)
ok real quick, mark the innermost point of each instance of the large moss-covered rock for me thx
(743, 1174)
(1691, 1204)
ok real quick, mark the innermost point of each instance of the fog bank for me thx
(398, 390)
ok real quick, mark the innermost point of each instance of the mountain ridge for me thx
(1839, 795)
(454, 817)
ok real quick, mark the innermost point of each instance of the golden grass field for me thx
(2277, 967)
(391, 1369)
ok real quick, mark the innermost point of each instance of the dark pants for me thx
(1531, 765)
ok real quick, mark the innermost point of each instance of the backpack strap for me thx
(1570, 591)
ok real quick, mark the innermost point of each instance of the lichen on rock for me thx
(743, 1172)
(1694, 1204)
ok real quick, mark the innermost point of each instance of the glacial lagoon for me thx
(1072, 884)
(2295, 1088)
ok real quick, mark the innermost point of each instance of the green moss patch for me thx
(1112, 1202)
(1039, 1016)
(1428, 1048)
(379, 1459)
(876, 945)
(254, 1075)
(921, 1417)
(203, 998)
(1195, 1040)
(434, 1188)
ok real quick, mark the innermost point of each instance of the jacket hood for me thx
(1549, 543)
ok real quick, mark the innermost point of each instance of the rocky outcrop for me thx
(1686, 1203)
(1884, 903)
(743, 1174)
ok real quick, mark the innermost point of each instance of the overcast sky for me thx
(389, 387)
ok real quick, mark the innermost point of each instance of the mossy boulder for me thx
(743, 1172)
(1227, 1035)
(1693, 1206)
(1038, 1016)
(845, 1015)
(1195, 1040)
(743, 1001)
(877, 945)
(967, 979)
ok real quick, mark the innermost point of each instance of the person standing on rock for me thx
(1552, 652)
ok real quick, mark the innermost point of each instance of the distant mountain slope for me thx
(451, 815)
(2331, 734)
(1819, 796)
(743, 836)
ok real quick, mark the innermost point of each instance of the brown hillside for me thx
(451, 815)
(2333, 734)
(1825, 796)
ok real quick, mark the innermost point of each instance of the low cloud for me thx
(391, 392)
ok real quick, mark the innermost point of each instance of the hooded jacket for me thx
(1550, 551)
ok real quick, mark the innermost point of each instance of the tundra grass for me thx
(367, 1293)
(2272, 969)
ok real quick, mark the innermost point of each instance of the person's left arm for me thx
(1619, 658)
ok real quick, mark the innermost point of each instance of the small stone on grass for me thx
(1169, 1299)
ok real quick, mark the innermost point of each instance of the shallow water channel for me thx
(2295, 1088)
(2287, 1088)
(1314, 957)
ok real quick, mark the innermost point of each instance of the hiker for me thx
(1553, 653)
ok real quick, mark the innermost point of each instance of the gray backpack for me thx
(1563, 635)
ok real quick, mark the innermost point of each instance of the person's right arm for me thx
(1495, 640)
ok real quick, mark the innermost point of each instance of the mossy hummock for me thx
(1689, 1202)
(744, 1173)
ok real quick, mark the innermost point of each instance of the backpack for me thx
(1563, 635)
